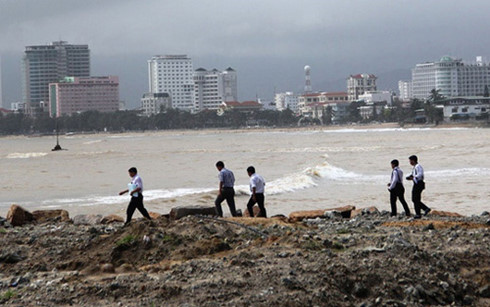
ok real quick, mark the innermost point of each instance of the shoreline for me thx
(353, 126)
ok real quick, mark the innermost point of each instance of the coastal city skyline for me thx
(268, 50)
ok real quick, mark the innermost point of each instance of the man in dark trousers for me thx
(225, 189)
(417, 177)
(135, 189)
(257, 186)
(396, 188)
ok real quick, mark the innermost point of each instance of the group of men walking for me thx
(397, 190)
(226, 191)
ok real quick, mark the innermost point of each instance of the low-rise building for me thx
(465, 108)
(154, 103)
(377, 96)
(245, 106)
(79, 94)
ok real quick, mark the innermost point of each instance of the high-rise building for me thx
(79, 94)
(451, 77)
(45, 64)
(173, 74)
(287, 100)
(359, 84)
(405, 89)
(213, 87)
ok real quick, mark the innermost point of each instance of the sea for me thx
(304, 169)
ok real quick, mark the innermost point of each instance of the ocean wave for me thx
(25, 155)
(471, 171)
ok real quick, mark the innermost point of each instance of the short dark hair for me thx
(395, 162)
(413, 158)
(251, 170)
(133, 170)
(220, 164)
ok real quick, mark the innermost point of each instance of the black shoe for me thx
(408, 215)
(417, 216)
(427, 211)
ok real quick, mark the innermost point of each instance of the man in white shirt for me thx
(257, 186)
(136, 193)
(396, 189)
(417, 177)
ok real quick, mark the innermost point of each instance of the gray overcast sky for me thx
(266, 41)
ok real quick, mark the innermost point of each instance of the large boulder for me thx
(361, 211)
(154, 215)
(112, 218)
(87, 219)
(18, 216)
(43, 216)
(179, 212)
(444, 213)
(296, 216)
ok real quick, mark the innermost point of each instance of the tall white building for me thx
(286, 100)
(173, 74)
(213, 87)
(451, 77)
(359, 84)
(405, 89)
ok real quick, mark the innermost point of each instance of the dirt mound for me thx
(371, 260)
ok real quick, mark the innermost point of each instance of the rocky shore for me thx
(365, 258)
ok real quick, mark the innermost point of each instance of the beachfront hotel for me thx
(173, 74)
(79, 94)
(452, 77)
(45, 64)
(213, 87)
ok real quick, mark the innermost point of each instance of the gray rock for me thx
(484, 291)
(179, 212)
(87, 219)
(12, 257)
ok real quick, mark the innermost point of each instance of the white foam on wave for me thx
(111, 200)
(26, 155)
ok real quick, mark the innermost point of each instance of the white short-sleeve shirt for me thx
(257, 182)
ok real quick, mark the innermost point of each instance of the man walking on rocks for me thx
(135, 189)
(225, 189)
(396, 188)
(257, 185)
(417, 177)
